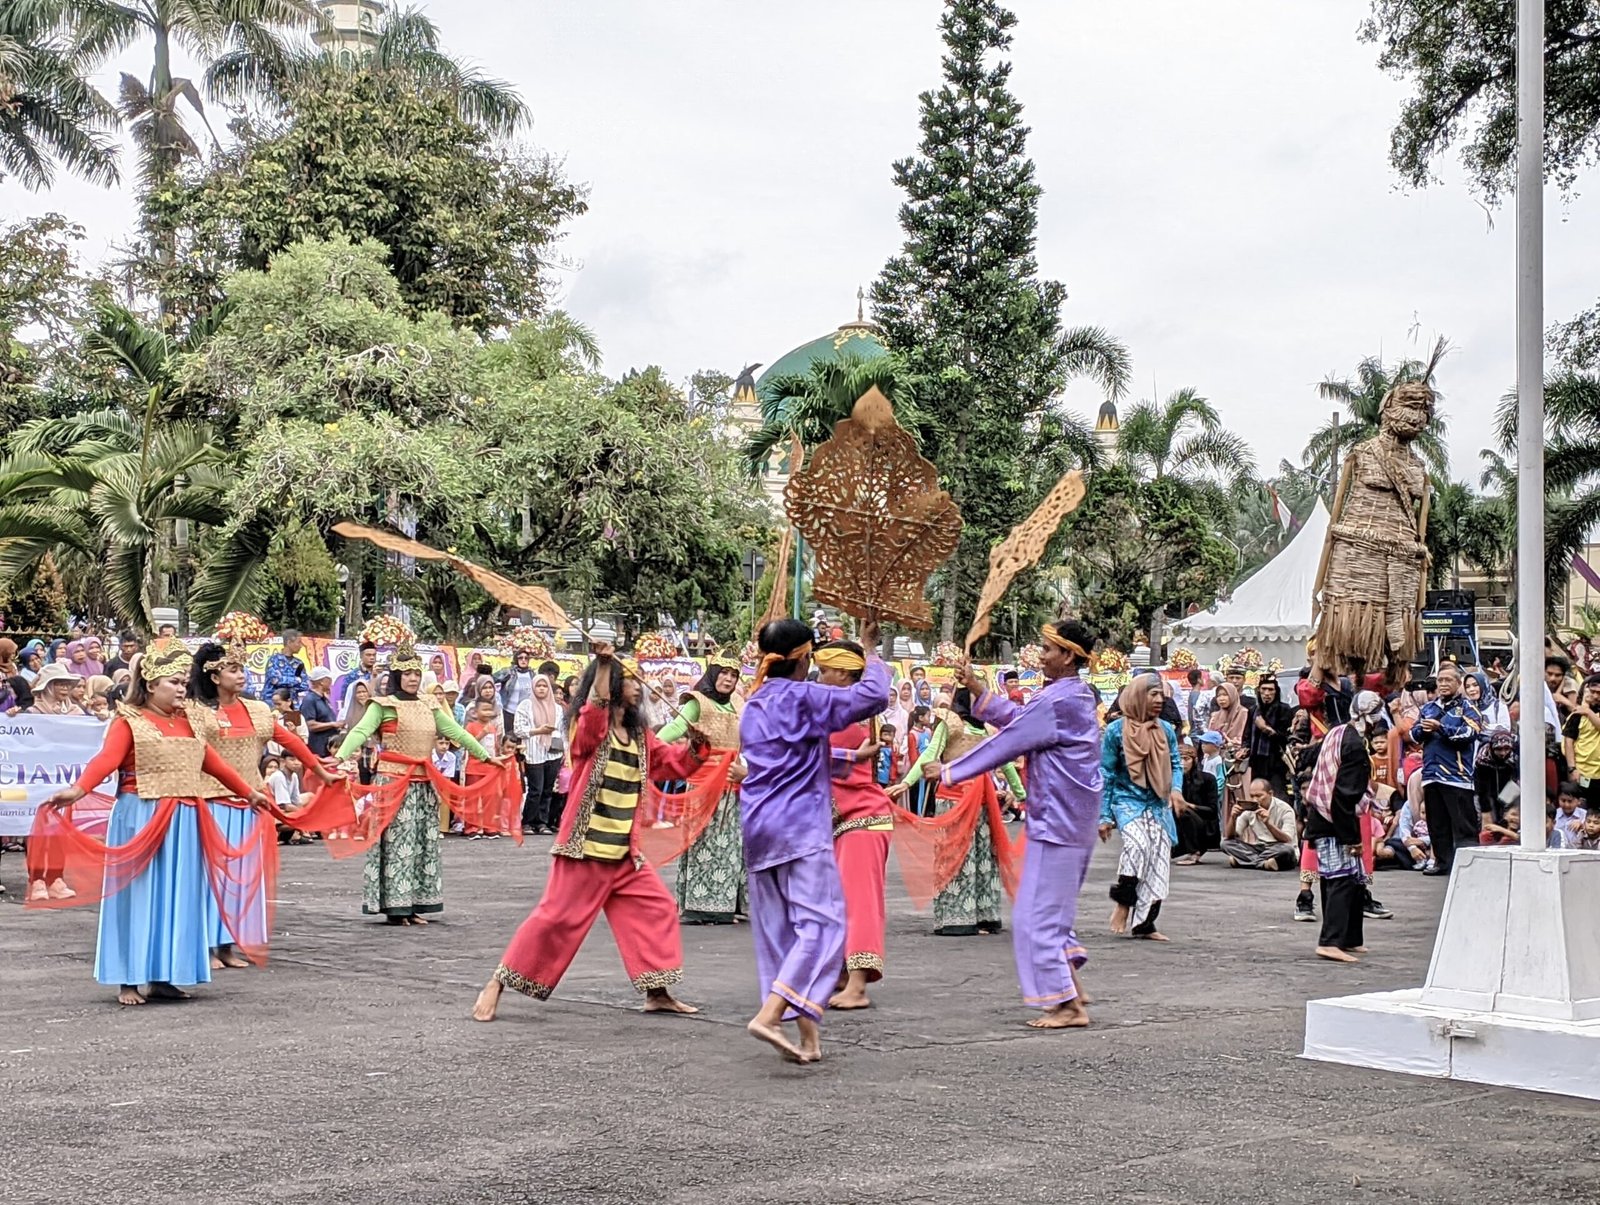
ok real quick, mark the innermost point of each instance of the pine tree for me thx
(963, 304)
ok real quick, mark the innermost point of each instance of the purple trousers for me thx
(1042, 918)
(797, 917)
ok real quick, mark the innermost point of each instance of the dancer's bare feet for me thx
(852, 993)
(660, 1000)
(1070, 1015)
(483, 1009)
(1083, 996)
(417, 920)
(1152, 936)
(1354, 949)
(231, 958)
(1119, 919)
(1335, 954)
(165, 991)
(216, 963)
(810, 1040)
(775, 1038)
(128, 995)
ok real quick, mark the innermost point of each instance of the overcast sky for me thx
(1216, 189)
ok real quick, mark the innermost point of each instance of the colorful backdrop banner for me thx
(40, 754)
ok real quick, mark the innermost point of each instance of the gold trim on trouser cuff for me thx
(864, 962)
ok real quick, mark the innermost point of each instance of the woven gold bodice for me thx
(957, 740)
(720, 726)
(165, 765)
(414, 730)
(241, 750)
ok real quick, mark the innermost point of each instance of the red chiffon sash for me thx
(243, 878)
(931, 849)
(669, 824)
(492, 802)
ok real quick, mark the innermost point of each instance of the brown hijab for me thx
(1229, 720)
(1144, 741)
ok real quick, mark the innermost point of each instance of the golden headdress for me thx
(235, 655)
(405, 658)
(167, 658)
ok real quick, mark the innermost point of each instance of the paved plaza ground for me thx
(348, 1071)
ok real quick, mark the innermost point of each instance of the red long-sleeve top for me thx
(117, 754)
(856, 793)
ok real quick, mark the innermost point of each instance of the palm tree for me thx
(806, 406)
(1362, 399)
(103, 489)
(202, 27)
(1571, 470)
(49, 112)
(1182, 440)
(407, 45)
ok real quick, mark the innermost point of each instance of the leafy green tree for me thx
(1459, 57)
(1362, 398)
(962, 302)
(406, 47)
(49, 111)
(468, 228)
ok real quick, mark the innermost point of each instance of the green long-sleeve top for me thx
(677, 728)
(377, 715)
(935, 750)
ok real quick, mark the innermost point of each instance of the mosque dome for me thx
(1107, 419)
(861, 340)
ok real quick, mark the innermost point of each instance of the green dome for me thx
(858, 339)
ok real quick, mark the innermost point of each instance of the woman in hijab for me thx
(1496, 773)
(94, 656)
(1482, 696)
(31, 660)
(77, 660)
(1143, 795)
(1230, 719)
(1269, 736)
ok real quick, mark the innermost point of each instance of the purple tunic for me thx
(786, 798)
(1059, 733)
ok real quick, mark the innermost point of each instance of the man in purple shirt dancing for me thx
(1059, 733)
(786, 805)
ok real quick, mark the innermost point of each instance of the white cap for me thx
(321, 674)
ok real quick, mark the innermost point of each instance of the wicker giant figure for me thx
(1375, 563)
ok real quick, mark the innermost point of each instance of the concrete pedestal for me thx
(1513, 991)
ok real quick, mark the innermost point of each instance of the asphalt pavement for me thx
(348, 1069)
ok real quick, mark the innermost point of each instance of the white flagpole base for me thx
(1513, 992)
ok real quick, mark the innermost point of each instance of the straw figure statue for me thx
(1374, 569)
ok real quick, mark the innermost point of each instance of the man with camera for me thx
(1264, 833)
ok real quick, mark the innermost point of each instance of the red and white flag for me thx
(1284, 514)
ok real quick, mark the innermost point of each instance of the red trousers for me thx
(642, 915)
(863, 856)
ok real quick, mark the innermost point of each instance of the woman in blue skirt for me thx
(155, 919)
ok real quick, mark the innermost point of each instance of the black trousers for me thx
(1452, 820)
(1342, 902)
(538, 802)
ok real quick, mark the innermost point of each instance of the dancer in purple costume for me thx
(786, 806)
(1059, 733)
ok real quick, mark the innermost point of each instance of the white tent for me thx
(1271, 609)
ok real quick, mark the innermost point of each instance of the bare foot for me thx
(659, 1000)
(810, 1040)
(1119, 919)
(1083, 996)
(216, 963)
(232, 959)
(1185, 860)
(417, 920)
(1354, 949)
(1071, 1015)
(1152, 936)
(129, 995)
(165, 991)
(847, 999)
(774, 1037)
(1334, 954)
(488, 1000)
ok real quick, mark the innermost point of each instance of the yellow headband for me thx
(768, 660)
(1053, 635)
(840, 659)
(166, 659)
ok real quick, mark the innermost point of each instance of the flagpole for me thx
(1530, 412)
